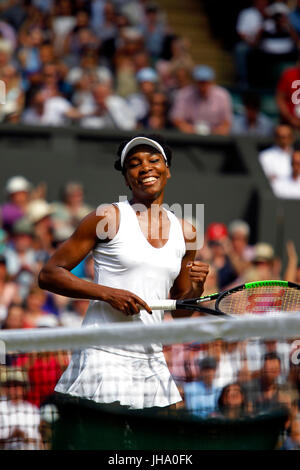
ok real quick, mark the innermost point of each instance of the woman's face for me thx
(233, 396)
(146, 172)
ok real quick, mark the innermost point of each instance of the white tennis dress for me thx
(136, 376)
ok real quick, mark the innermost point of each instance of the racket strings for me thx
(261, 300)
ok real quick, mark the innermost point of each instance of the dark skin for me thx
(141, 163)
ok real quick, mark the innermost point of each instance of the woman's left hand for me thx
(198, 272)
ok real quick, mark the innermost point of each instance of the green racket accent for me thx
(252, 285)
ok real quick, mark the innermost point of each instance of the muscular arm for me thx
(56, 276)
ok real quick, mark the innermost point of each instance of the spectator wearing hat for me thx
(17, 191)
(204, 107)
(263, 265)
(39, 213)
(201, 396)
(20, 419)
(147, 79)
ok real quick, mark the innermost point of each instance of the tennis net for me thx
(239, 383)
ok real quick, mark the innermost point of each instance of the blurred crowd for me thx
(118, 64)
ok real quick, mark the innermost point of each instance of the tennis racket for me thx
(259, 297)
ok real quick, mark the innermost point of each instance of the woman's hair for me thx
(221, 401)
(157, 137)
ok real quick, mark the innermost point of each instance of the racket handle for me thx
(167, 304)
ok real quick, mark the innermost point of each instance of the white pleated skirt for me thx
(105, 377)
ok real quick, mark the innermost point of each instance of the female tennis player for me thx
(140, 252)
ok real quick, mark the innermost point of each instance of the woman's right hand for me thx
(123, 300)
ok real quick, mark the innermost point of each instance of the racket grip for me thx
(167, 304)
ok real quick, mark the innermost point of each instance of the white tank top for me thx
(130, 262)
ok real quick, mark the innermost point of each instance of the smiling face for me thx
(146, 173)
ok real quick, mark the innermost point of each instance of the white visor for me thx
(142, 141)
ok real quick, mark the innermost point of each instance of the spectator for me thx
(28, 54)
(130, 43)
(108, 30)
(39, 213)
(6, 56)
(227, 368)
(154, 30)
(217, 240)
(20, 419)
(232, 402)
(289, 187)
(72, 208)
(157, 118)
(35, 315)
(264, 392)
(203, 108)
(276, 160)
(15, 13)
(287, 96)
(63, 22)
(17, 190)
(251, 121)
(14, 318)
(44, 370)
(108, 110)
(278, 43)
(263, 265)
(175, 57)
(14, 97)
(239, 232)
(50, 109)
(8, 34)
(201, 395)
(73, 41)
(9, 290)
(147, 79)
(249, 25)
(89, 64)
(21, 258)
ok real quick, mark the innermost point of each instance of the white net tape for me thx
(282, 325)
